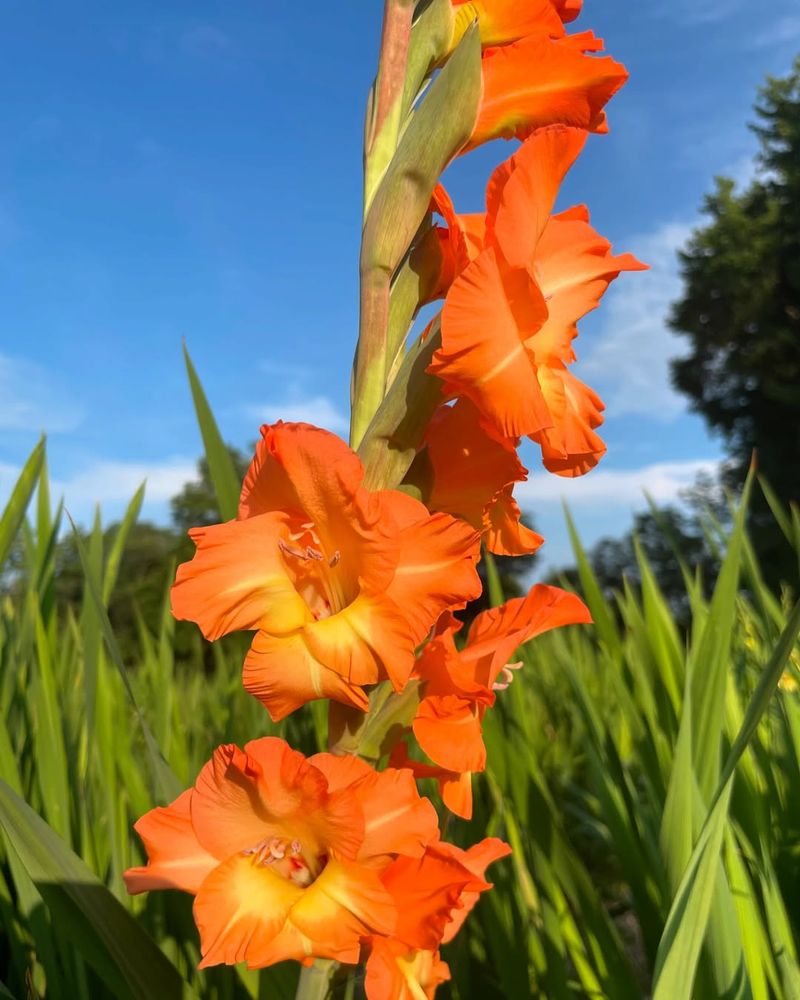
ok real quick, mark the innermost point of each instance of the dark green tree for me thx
(740, 311)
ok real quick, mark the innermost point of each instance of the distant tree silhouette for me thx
(740, 312)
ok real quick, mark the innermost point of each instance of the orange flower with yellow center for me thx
(340, 584)
(284, 855)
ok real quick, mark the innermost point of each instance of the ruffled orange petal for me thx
(240, 909)
(503, 21)
(454, 788)
(495, 634)
(314, 476)
(347, 902)
(538, 81)
(243, 798)
(477, 859)
(436, 568)
(470, 465)
(246, 912)
(301, 469)
(456, 792)
(425, 891)
(397, 820)
(489, 312)
(298, 794)
(522, 191)
(574, 267)
(571, 447)
(228, 813)
(370, 639)
(237, 579)
(175, 859)
(284, 675)
(396, 972)
(448, 729)
(503, 530)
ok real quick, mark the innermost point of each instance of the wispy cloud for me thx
(627, 361)
(109, 482)
(298, 401)
(617, 487)
(111, 485)
(318, 410)
(32, 399)
(782, 31)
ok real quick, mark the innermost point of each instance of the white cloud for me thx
(112, 485)
(317, 410)
(104, 482)
(31, 399)
(616, 487)
(627, 361)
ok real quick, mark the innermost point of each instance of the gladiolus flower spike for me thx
(350, 568)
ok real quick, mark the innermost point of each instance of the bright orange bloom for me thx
(341, 584)
(458, 685)
(540, 80)
(510, 315)
(503, 21)
(286, 857)
(474, 472)
(407, 966)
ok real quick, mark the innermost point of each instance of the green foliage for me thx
(741, 313)
(650, 788)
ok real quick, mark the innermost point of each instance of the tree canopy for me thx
(740, 312)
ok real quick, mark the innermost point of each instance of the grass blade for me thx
(14, 512)
(220, 464)
(102, 930)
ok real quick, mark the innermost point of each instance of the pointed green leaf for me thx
(679, 951)
(14, 512)
(220, 464)
(83, 909)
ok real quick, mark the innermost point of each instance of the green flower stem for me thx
(315, 980)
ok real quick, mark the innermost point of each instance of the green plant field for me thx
(647, 780)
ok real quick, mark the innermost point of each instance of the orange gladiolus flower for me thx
(341, 584)
(407, 966)
(510, 315)
(286, 857)
(458, 685)
(540, 81)
(474, 472)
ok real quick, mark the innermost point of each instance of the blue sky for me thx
(174, 170)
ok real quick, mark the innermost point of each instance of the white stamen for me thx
(508, 676)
